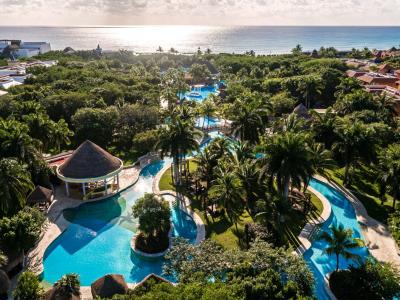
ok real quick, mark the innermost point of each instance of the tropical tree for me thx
(15, 140)
(4, 280)
(66, 287)
(15, 183)
(321, 159)
(199, 72)
(21, 232)
(249, 117)
(347, 85)
(340, 243)
(206, 162)
(228, 193)
(355, 142)
(207, 109)
(323, 127)
(28, 287)
(153, 213)
(289, 160)
(169, 95)
(310, 88)
(297, 50)
(389, 170)
(178, 138)
(248, 175)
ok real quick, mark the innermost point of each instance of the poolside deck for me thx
(379, 240)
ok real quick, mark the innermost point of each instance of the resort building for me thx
(355, 73)
(7, 82)
(19, 49)
(379, 79)
(16, 73)
(90, 172)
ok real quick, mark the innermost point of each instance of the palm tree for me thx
(207, 109)
(340, 242)
(206, 162)
(228, 193)
(66, 287)
(15, 182)
(60, 135)
(249, 118)
(323, 127)
(170, 96)
(4, 280)
(354, 143)
(178, 138)
(389, 170)
(15, 140)
(310, 88)
(289, 160)
(321, 159)
(347, 85)
(248, 175)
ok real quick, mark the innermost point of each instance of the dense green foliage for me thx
(28, 287)
(153, 213)
(66, 287)
(20, 232)
(131, 104)
(371, 280)
(261, 272)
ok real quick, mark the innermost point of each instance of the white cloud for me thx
(213, 12)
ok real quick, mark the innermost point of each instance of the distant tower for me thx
(98, 50)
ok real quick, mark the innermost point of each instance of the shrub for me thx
(371, 280)
(21, 232)
(28, 287)
(67, 286)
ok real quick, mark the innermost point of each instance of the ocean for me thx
(187, 39)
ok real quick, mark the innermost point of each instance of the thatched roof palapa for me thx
(39, 195)
(155, 277)
(89, 161)
(109, 285)
(301, 111)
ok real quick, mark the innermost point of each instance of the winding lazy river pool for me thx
(97, 242)
(342, 213)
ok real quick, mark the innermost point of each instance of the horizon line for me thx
(187, 25)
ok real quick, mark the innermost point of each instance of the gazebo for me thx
(91, 167)
(40, 196)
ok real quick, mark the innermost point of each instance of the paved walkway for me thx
(309, 228)
(378, 238)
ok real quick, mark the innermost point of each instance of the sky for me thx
(199, 12)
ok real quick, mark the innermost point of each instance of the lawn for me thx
(166, 179)
(296, 221)
(225, 233)
(365, 188)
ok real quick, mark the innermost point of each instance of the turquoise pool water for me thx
(342, 213)
(98, 240)
(207, 122)
(203, 92)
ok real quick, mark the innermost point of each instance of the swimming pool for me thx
(97, 242)
(201, 93)
(207, 122)
(342, 213)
